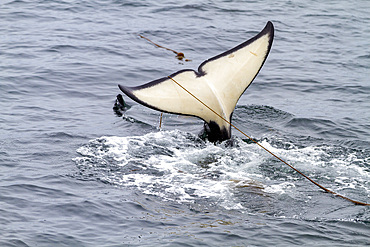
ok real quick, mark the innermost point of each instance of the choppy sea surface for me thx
(75, 171)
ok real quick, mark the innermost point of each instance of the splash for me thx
(178, 166)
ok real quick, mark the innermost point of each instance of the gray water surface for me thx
(73, 172)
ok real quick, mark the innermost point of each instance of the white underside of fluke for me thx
(219, 82)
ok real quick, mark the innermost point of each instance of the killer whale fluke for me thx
(219, 83)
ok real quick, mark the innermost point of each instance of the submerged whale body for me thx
(219, 83)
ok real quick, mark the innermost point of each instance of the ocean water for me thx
(75, 171)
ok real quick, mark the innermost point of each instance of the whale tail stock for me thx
(219, 83)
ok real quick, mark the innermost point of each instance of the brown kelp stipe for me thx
(322, 187)
(179, 55)
(160, 120)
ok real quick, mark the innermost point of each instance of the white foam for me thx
(279, 188)
(177, 166)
